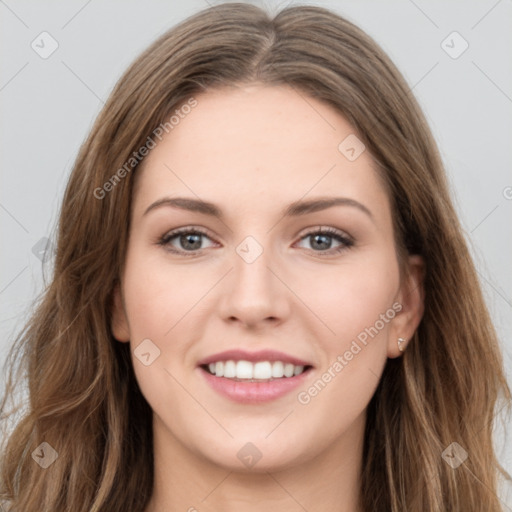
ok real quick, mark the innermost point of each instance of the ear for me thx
(411, 297)
(119, 321)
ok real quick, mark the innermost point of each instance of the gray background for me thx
(48, 106)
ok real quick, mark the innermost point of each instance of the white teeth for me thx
(288, 370)
(219, 368)
(278, 370)
(262, 370)
(298, 370)
(244, 370)
(229, 369)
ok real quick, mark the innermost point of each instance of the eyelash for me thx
(346, 241)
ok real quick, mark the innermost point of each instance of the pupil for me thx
(193, 241)
(186, 240)
(322, 239)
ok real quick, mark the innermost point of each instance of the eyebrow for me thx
(294, 209)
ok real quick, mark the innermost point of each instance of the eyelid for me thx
(343, 237)
(188, 229)
(324, 229)
(164, 240)
(346, 240)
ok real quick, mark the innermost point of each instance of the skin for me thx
(252, 150)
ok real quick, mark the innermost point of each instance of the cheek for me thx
(158, 293)
(357, 308)
(355, 304)
(330, 303)
(157, 297)
(346, 297)
(350, 297)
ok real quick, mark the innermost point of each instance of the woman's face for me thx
(279, 275)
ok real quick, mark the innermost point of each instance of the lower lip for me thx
(254, 392)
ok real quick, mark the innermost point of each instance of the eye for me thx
(188, 239)
(321, 240)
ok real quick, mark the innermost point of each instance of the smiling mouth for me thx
(261, 371)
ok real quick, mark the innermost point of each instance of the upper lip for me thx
(260, 355)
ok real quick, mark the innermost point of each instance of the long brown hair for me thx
(82, 395)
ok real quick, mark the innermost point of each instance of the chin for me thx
(258, 455)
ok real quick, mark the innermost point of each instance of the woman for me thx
(204, 346)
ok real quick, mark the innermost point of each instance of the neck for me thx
(187, 482)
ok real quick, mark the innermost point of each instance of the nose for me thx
(254, 293)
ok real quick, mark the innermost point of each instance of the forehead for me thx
(258, 144)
